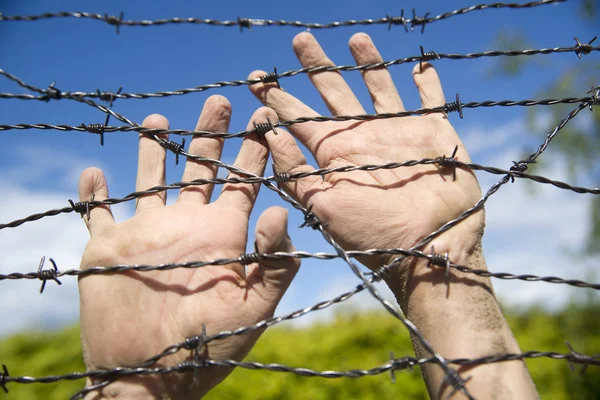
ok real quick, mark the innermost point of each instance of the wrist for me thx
(417, 278)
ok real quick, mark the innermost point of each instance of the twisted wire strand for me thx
(287, 123)
(300, 255)
(577, 49)
(299, 175)
(248, 23)
(505, 179)
(396, 364)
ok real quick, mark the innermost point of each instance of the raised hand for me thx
(382, 208)
(399, 207)
(129, 317)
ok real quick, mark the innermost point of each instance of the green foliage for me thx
(351, 341)
(578, 143)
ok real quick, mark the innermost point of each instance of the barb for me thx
(45, 275)
(248, 23)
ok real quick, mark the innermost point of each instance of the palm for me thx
(404, 194)
(128, 317)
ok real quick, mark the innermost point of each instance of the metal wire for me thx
(578, 49)
(249, 23)
(518, 170)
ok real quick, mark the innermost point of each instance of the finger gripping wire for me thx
(584, 48)
(454, 106)
(45, 275)
(271, 77)
(4, 375)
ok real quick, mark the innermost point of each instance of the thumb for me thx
(269, 279)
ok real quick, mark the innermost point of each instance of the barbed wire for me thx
(394, 364)
(446, 108)
(367, 279)
(54, 94)
(84, 207)
(245, 259)
(244, 22)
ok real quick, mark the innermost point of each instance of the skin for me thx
(363, 210)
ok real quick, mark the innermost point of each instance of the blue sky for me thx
(39, 169)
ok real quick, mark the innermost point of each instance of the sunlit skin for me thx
(127, 318)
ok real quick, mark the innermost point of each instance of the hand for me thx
(383, 208)
(398, 207)
(129, 317)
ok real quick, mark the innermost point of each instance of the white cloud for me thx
(61, 237)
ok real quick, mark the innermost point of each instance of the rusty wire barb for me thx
(197, 344)
(409, 24)
(52, 93)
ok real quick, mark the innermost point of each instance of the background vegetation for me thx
(351, 340)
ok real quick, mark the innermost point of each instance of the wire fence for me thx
(517, 171)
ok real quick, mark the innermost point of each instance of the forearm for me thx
(461, 319)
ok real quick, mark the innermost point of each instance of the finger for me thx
(270, 279)
(288, 158)
(252, 158)
(429, 85)
(379, 81)
(214, 117)
(151, 164)
(333, 88)
(92, 183)
(288, 108)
